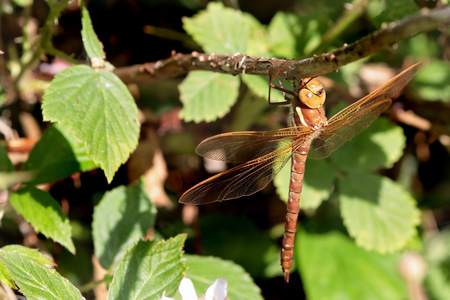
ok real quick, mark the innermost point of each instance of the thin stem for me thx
(90, 285)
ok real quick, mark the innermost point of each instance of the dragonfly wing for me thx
(243, 180)
(334, 137)
(244, 146)
(356, 117)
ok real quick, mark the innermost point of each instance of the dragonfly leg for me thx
(285, 93)
(279, 88)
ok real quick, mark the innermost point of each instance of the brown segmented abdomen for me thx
(293, 206)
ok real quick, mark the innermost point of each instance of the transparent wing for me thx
(243, 180)
(356, 117)
(244, 146)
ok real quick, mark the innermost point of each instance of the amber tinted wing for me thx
(244, 146)
(242, 180)
(356, 117)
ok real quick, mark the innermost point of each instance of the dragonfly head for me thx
(311, 93)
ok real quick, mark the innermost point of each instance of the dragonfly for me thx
(260, 155)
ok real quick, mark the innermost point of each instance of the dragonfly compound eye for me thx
(312, 94)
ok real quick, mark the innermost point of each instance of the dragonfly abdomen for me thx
(293, 206)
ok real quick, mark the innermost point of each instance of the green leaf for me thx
(258, 42)
(293, 35)
(378, 146)
(32, 254)
(91, 43)
(203, 271)
(5, 277)
(98, 110)
(432, 82)
(44, 214)
(55, 156)
(390, 11)
(207, 96)
(5, 163)
(317, 184)
(422, 47)
(149, 269)
(438, 259)
(36, 281)
(377, 212)
(219, 29)
(272, 256)
(249, 109)
(84, 162)
(260, 87)
(281, 34)
(123, 216)
(333, 267)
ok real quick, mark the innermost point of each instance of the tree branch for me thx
(180, 64)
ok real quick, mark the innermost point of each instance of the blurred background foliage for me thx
(328, 263)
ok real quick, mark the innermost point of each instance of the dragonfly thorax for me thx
(313, 118)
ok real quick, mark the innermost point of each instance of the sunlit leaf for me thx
(378, 146)
(35, 280)
(333, 267)
(219, 29)
(5, 277)
(30, 253)
(207, 96)
(91, 43)
(25, 252)
(258, 42)
(149, 269)
(98, 110)
(123, 216)
(203, 271)
(377, 212)
(44, 214)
